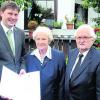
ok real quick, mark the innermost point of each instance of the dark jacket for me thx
(15, 63)
(85, 85)
(52, 73)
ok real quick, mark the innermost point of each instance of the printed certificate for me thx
(16, 87)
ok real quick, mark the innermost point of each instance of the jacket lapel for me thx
(46, 60)
(69, 67)
(5, 40)
(86, 62)
(71, 64)
(16, 40)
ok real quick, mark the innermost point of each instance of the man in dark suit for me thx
(13, 50)
(82, 81)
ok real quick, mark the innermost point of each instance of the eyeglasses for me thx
(84, 38)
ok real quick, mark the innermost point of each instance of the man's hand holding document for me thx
(16, 87)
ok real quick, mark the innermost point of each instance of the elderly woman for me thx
(51, 64)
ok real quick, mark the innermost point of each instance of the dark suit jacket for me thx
(6, 56)
(85, 85)
(51, 74)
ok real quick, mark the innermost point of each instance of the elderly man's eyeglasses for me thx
(84, 38)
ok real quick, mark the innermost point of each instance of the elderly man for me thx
(82, 80)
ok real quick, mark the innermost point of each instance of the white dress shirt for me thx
(84, 55)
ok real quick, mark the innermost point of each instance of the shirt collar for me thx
(84, 53)
(48, 53)
(5, 28)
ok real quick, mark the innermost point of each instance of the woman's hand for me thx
(22, 71)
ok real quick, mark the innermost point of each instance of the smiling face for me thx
(42, 42)
(84, 40)
(9, 17)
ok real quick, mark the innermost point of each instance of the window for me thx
(41, 9)
(81, 13)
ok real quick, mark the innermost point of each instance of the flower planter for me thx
(70, 26)
(97, 29)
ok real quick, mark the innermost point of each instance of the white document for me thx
(24, 87)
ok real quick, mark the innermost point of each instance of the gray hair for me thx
(43, 29)
(9, 5)
(87, 27)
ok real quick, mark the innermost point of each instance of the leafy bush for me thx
(57, 24)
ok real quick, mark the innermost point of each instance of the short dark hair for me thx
(9, 5)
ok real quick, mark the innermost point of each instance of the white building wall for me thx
(92, 14)
(65, 7)
(20, 23)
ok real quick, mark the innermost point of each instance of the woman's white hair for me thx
(86, 27)
(44, 30)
